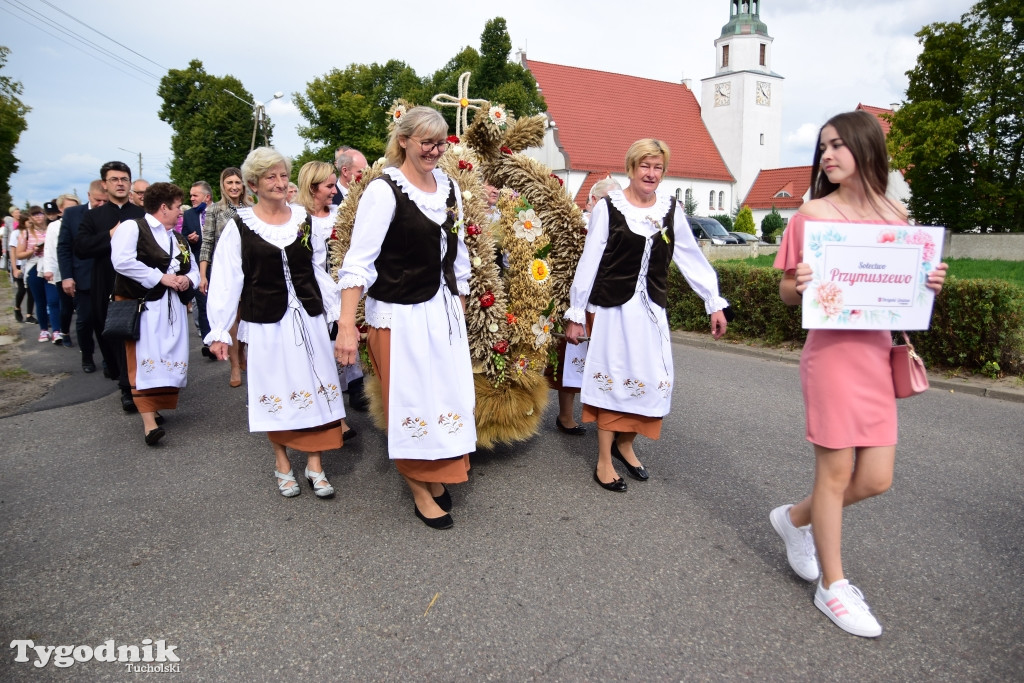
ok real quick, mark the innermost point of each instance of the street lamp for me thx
(258, 114)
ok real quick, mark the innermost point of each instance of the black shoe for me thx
(31, 319)
(638, 473)
(207, 352)
(128, 405)
(160, 419)
(442, 522)
(349, 434)
(18, 316)
(357, 397)
(67, 342)
(88, 367)
(108, 373)
(444, 501)
(578, 430)
(618, 485)
(154, 435)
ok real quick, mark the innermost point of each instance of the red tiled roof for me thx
(600, 114)
(877, 113)
(793, 180)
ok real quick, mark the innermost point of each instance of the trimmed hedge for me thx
(974, 322)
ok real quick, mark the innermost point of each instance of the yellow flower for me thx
(540, 271)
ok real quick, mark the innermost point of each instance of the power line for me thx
(72, 34)
(74, 45)
(50, 4)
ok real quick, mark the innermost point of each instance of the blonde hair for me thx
(646, 147)
(64, 198)
(422, 121)
(311, 175)
(261, 160)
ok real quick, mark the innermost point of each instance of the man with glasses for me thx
(93, 241)
(138, 193)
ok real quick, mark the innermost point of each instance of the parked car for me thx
(747, 238)
(705, 228)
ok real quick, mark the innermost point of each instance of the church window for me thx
(689, 196)
(764, 49)
(762, 138)
(782, 194)
(721, 201)
(711, 201)
(725, 55)
(679, 194)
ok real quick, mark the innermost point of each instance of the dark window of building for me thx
(764, 49)
(725, 55)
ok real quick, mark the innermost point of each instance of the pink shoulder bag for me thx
(909, 377)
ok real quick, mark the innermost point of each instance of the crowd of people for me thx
(271, 307)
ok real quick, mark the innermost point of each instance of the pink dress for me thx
(849, 400)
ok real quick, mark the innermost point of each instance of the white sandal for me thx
(283, 481)
(325, 491)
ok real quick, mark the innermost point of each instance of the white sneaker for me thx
(844, 604)
(800, 551)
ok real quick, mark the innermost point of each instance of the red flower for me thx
(506, 150)
(465, 165)
(560, 181)
(510, 318)
(487, 300)
(501, 347)
(334, 234)
(454, 139)
(473, 229)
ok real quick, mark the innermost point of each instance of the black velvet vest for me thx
(264, 292)
(410, 256)
(149, 252)
(620, 263)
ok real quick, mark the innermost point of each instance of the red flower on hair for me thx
(473, 229)
(465, 165)
(560, 181)
(454, 139)
(487, 300)
(506, 150)
(501, 347)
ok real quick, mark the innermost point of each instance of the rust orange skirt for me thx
(615, 421)
(446, 471)
(310, 440)
(148, 400)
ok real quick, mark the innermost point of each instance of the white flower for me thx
(497, 116)
(541, 328)
(528, 226)
(457, 150)
(476, 261)
(467, 195)
(493, 327)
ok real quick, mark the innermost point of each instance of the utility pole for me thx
(140, 159)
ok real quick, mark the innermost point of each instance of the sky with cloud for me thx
(90, 69)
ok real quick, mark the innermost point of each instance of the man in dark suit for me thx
(192, 223)
(77, 272)
(93, 242)
(350, 163)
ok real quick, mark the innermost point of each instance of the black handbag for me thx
(122, 323)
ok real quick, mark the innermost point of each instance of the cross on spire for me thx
(462, 102)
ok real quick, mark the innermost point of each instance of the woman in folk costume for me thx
(317, 187)
(408, 253)
(622, 277)
(272, 259)
(154, 262)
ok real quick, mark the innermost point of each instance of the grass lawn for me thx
(965, 268)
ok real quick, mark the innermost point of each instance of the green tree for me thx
(772, 225)
(212, 129)
(12, 124)
(959, 137)
(349, 107)
(690, 204)
(745, 221)
(494, 78)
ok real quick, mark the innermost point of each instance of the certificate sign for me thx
(869, 276)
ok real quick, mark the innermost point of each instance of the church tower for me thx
(742, 103)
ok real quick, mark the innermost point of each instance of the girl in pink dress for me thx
(849, 400)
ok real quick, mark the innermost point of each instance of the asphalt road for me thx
(544, 576)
